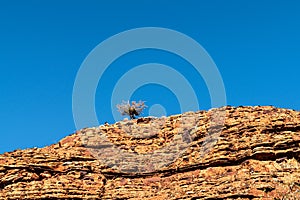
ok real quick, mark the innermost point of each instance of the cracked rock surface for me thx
(249, 153)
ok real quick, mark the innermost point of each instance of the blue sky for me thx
(255, 45)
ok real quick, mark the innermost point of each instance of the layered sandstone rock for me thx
(254, 154)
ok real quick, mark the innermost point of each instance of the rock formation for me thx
(256, 155)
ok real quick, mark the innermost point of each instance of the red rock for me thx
(255, 156)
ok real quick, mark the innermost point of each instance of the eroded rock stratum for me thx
(255, 156)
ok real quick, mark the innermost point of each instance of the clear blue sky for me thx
(255, 45)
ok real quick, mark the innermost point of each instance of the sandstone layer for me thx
(249, 153)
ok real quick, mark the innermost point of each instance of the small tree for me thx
(134, 109)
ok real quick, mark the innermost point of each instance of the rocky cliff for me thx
(255, 155)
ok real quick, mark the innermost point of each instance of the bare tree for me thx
(134, 109)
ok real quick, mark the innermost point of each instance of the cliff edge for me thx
(256, 155)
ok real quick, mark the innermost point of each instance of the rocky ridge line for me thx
(256, 156)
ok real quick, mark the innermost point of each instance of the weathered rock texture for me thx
(256, 156)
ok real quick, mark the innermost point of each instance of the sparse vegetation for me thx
(132, 110)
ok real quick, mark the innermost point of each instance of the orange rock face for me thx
(254, 155)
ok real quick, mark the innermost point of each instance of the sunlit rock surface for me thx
(255, 155)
